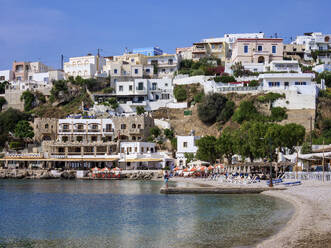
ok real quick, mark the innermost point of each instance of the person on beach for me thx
(166, 179)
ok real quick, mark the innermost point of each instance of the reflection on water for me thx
(82, 213)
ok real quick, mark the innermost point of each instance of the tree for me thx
(3, 87)
(2, 102)
(226, 144)
(207, 149)
(292, 135)
(140, 110)
(155, 131)
(245, 112)
(306, 148)
(180, 93)
(169, 133)
(227, 112)
(211, 107)
(189, 157)
(326, 75)
(23, 130)
(28, 98)
(199, 96)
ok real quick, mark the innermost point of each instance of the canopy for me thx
(202, 168)
(95, 169)
(198, 163)
(105, 169)
(176, 169)
(210, 167)
(116, 169)
(193, 169)
(185, 170)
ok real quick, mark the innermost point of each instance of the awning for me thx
(61, 159)
(144, 160)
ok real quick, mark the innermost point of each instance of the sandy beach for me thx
(310, 226)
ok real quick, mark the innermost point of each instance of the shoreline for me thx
(310, 224)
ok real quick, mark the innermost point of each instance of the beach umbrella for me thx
(105, 169)
(202, 168)
(185, 170)
(193, 169)
(116, 169)
(95, 170)
(210, 167)
(176, 169)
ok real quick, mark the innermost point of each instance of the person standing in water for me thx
(166, 179)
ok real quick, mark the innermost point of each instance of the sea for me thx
(124, 213)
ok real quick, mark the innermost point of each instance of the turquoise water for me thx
(59, 213)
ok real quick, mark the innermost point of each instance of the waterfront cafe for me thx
(39, 161)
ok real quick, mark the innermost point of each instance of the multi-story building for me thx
(23, 70)
(250, 50)
(6, 75)
(122, 70)
(163, 65)
(88, 66)
(294, 51)
(148, 51)
(317, 46)
(214, 48)
(185, 144)
(184, 52)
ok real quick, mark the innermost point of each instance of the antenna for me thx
(62, 62)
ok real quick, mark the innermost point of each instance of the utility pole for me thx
(323, 160)
(311, 131)
(98, 58)
(62, 62)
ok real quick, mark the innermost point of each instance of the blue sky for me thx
(32, 30)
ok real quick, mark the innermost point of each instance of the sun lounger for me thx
(292, 183)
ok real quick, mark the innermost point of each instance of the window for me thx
(64, 139)
(213, 46)
(139, 125)
(273, 49)
(123, 126)
(46, 126)
(79, 138)
(94, 138)
(19, 78)
(66, 126)
(185, 144)
(130, 87)
(132, 60)
(94, 126)
(135, 149)
(245, 49)
(115, 71)
(30, 77)
(300, 83)
(133, 125)
(135, 71)
(2, 78)
(154, 86)
(120, 88)
(140, 86)
(259, 48)
(274, 84)
(148, 70)
(170, 61)
(142, 149)
(166, 85)
(80, 126)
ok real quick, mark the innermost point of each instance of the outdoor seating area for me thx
(104, 173)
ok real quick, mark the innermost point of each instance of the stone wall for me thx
(45, 129)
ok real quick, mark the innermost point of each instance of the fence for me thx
(300, 175)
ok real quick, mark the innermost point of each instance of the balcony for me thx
(94, 130)
(135, 131)
(108, 130)
(79, 130)
(65, 130)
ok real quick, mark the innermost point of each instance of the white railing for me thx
(301, 175)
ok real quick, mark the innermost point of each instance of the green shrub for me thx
(225, 79)
(199, 96)
(246, 112)
(108, 90)
(180, 93)
(278, 114)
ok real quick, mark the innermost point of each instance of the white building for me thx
(299, 89)
(284, 66)
(142, 155)
(164, 65)
(322, 67)
(47, 77)
(6, 75)
(88, 66)
(185, 144)
(315, 41)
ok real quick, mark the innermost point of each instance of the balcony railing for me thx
(135, 130)
(108, 130)
(93, 130)
(65, 130)
(80, 130)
